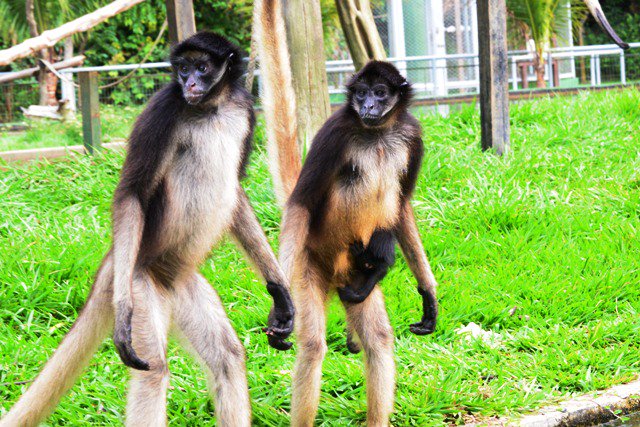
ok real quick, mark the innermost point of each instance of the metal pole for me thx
(514, 73)
(623, 68)
(550, 69)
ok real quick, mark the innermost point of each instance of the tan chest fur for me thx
(372, 199)
(202, 180)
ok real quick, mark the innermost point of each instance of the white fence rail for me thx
(428, 81)
(431, 75)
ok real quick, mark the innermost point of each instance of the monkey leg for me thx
(370, 321)
(309, 296)
(206, 330)
(353, 341)
(147, 399)
(73, 354)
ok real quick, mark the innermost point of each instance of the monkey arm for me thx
(409, 239)
(247, 231)
(128, 223)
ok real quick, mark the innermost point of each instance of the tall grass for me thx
(540, 248)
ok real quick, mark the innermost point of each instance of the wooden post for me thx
(303, 22)
(182, 22)
(90, 110)
(494, 80)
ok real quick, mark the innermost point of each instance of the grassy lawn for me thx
(116, 124)
(540, 248)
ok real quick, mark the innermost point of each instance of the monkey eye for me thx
(360, 93)
(184, 69)
(202, 68)
(380, 93)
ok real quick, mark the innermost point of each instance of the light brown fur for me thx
(278, 97)
(204, 200)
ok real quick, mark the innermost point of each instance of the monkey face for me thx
(198, 73)
(372, 101)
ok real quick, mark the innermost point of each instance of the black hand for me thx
(122, 341)
(280, 323)
(356, 249)
(429, 314)
(348, 294)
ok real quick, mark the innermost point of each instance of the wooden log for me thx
(67, 63)
(181, 19)
(306, 49)
(53, 152)
(494, 79)
(360, 31)
(91, 131)
(51, 37)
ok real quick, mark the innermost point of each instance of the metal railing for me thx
(432, 76)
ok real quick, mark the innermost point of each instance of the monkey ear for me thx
(230, 56)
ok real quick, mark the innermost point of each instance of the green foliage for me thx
(551, 229)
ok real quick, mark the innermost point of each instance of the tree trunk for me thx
(303, 22)
(583, 65)
(538, 64)
(43, 54)
(360, 31)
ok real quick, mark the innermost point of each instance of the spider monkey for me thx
(351, 201)
(179, 193)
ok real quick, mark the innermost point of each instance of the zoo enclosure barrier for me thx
(433, 76)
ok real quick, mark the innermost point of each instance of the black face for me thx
(197, 73)
(372, 101)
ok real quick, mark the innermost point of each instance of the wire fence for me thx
(432, 76)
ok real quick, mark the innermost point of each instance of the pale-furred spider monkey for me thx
(178, 194)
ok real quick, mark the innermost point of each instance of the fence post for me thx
(514, 73)
(180, 17)
(623, 69)
(494, 76)
(550, 69)
(90, 110)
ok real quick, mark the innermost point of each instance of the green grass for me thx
(116, 124)
(551, 230)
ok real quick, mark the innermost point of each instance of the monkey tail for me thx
(72, 355)
(278, 97)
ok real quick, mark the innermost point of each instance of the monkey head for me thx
(203, 64)
(376, 92)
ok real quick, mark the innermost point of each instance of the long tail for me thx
(94, 323)
(278, 97)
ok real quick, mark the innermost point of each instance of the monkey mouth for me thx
(193, 98)
(370, 119)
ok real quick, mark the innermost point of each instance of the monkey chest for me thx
(367, 191)
(202, 185)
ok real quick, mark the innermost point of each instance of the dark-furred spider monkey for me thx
(351, 199)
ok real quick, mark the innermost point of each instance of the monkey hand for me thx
(122, 341)
(363, 259)
(280, 323)
(352, 295)
(429, 314)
